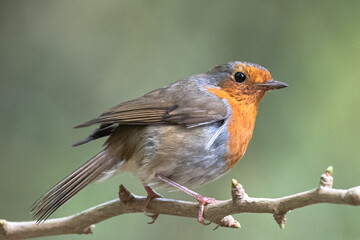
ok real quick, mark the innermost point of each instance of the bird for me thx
(181, 136)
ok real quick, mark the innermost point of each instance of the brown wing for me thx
(130, 113)
(174, 104)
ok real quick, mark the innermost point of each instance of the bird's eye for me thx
(239, 77)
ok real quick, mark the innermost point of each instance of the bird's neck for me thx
(241, 123)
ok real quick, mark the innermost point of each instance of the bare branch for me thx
(219, 212)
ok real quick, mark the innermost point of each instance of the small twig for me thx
(326, 179)
(280, 218)
(219, 212)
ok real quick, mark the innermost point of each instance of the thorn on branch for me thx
(3, 227)
(88, 230)
(237, 191)
(326, 179)
(280, 218)
(228, 221)
(124, 194)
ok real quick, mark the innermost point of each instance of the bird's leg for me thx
(151, 194)
(200, 198)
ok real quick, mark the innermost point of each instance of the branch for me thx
(219, 212)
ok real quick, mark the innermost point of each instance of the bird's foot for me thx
(201, 199)
(202, 202)
(151, 194)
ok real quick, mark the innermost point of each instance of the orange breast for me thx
(240, 126)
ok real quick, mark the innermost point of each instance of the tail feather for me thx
(72, 184)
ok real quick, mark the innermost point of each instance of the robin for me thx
(184, 135)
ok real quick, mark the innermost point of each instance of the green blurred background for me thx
(64, 62)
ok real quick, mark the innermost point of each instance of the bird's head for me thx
(244, 81)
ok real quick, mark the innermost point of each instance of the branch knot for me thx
(280, 218)
(228, 221)
(237, 192)
(3, 227)
(326, 179)
(125, 195)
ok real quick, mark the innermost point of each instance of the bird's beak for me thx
(270, 85)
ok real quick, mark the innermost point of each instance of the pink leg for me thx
(201, 199)
(151, 194)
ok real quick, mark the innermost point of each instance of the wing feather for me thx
(177, 104)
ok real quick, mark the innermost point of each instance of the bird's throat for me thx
(240, 125)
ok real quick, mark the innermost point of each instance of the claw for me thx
(204, 223)
(153, 216)
(151, 194)
(207, 223)
(217, 226)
